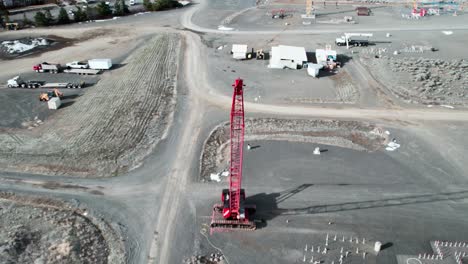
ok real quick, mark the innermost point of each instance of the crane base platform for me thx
(219, 224)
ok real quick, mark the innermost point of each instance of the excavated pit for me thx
(347, 134)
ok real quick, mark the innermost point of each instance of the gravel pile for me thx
(348, 134)
(427, 81)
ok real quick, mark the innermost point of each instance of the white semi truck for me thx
(17, 82)
(353, 39)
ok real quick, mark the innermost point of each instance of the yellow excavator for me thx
(49, 94)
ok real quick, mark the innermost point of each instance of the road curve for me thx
(186, 21)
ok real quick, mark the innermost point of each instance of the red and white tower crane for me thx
(233, 213)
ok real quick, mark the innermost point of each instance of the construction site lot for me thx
(284, 86)
(44, 230)
(22, 109)
(427, 67)
(355, 197)
(131, 104)
(247, 16)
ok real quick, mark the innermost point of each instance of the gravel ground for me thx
(21, 108)
(39, 230)
(423, 80)
(347, 134)
(131, 105)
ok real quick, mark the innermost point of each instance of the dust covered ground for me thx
(131, 105)
(40, 230)
(347, 134)
(424, 80)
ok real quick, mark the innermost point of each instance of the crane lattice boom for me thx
(233, 214)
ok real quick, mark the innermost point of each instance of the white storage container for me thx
(54, 103)
(100, 64)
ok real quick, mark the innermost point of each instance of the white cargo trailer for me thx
(100, 64)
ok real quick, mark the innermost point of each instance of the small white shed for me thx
(287, 57)
(239, 52)
(54, 103)
(314, 69)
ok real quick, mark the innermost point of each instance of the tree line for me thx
(101, 10)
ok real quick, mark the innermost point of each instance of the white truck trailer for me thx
(100, 64)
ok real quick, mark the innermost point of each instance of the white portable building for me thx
(239, 52)
(287, 57)
(314, 69)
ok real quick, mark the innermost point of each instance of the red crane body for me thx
(237, 143)
(234, 212)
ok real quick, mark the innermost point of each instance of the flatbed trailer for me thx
(82, 71)
(61, 85)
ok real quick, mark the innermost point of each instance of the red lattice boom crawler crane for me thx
(233, 213)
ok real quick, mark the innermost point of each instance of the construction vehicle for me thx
(11, 26)
(232, 213)
(17, 82)
(349, 40)
(47, 67)
(281, 13)
(363, 11)
(260, 55)
(45, 97)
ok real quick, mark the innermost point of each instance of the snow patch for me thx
(447, 106)
(105, 20)
(141, 13)
(447, 32)
(225, 28)
(20, 46)
(215, 177)
(391, 146)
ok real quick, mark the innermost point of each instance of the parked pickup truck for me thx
(77, 65)
(17, 82)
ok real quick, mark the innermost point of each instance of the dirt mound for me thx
(348, 134)
(112, 127)
(46, 231)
